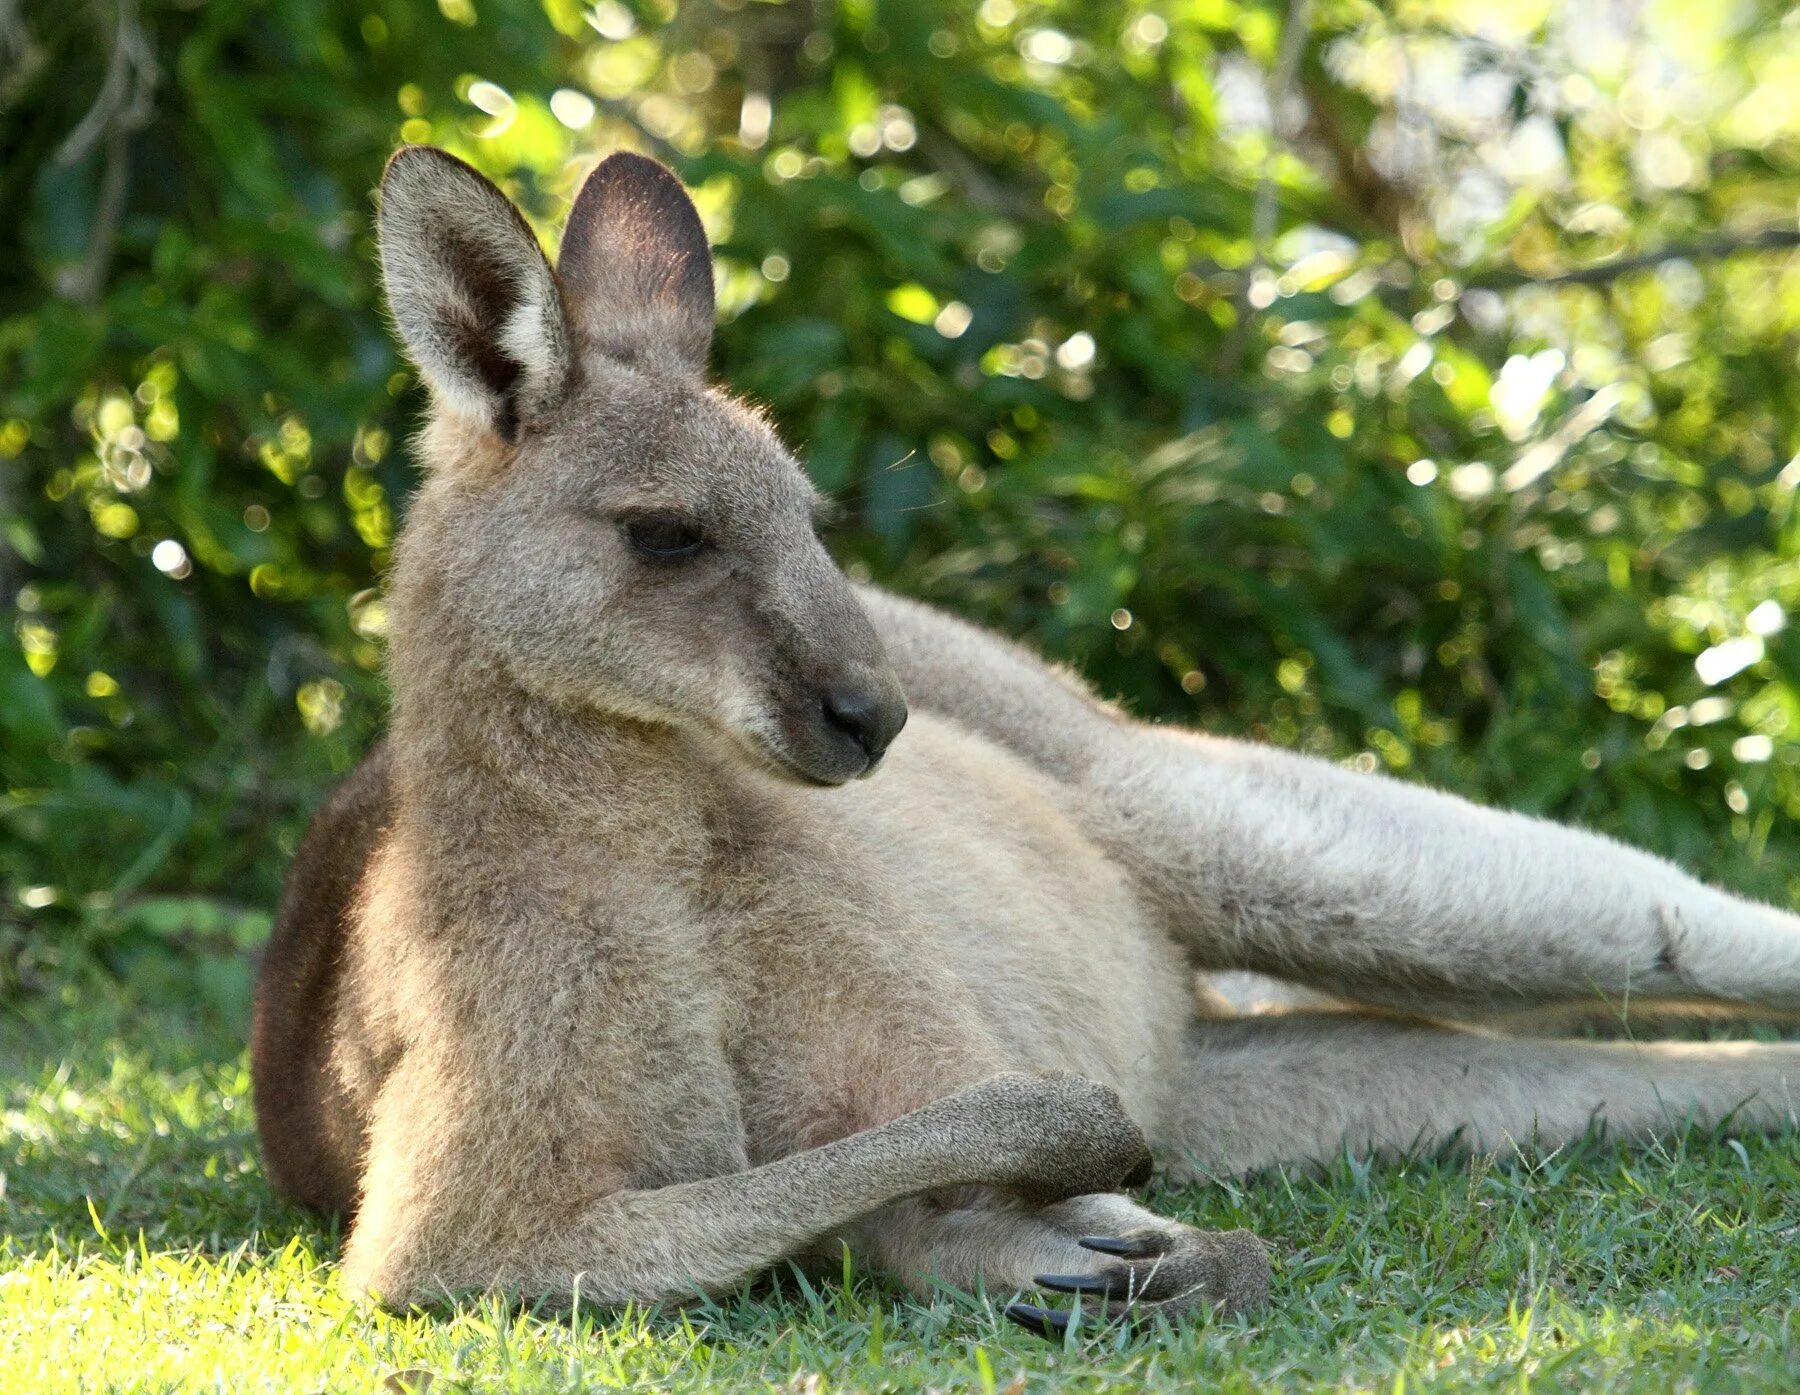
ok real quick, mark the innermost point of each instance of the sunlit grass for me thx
(144, 1252)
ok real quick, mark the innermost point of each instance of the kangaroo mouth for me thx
(782, 760)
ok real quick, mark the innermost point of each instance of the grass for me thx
(141, 1250)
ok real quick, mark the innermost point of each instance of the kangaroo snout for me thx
(871, 716)
(840, 728)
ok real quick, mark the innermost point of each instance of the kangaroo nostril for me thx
(870, 714)
(856, 715)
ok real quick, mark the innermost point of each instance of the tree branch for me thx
(1707, 249)
(1262, 207)
(122, 107)
(125, 93)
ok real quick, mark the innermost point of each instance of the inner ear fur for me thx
(474, 299)
(635, 266)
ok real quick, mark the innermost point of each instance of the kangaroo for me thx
(646, 952)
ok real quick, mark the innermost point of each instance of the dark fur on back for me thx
(312, 1135)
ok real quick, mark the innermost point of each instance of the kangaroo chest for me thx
(799, 968)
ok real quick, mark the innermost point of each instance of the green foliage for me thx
(1298, 427)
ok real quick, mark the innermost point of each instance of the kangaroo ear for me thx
(474, 299)
(635, 265)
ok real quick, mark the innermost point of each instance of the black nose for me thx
(870, 719)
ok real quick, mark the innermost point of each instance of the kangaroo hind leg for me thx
(1300, 1088)
(1402, 897)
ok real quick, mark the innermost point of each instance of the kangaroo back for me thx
(312, 1132)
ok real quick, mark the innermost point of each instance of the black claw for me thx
(1048, 1323)
(1075, 1283)
(1115, 1245)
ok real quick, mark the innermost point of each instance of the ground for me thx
(141, 1250)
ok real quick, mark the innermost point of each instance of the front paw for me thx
(1173, 1271)
(1061, 1135)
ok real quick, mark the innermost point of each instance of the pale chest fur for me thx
(941, 921)
(791, 966)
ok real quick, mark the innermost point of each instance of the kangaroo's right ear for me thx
(474, 299)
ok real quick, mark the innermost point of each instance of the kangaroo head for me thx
(614, 533)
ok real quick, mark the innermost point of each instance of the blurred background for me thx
(1414, 384)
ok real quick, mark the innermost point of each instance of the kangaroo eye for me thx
(663, 538)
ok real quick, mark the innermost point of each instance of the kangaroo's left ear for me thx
(472, 295)
(635, 267)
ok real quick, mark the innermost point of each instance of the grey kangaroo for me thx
(647, 951)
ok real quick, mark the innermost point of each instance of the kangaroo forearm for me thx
(677, 1241)
(1394, 893)
(1041, 1136)
(708, 1236)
